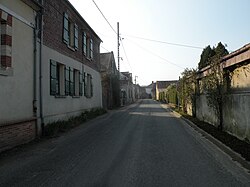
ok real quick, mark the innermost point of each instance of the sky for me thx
(194, 23)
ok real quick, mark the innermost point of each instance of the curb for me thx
(234, 155)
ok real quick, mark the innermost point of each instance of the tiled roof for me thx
(165, 84)
(105, 60)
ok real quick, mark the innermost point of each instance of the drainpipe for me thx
(40, 73)
(34, 75)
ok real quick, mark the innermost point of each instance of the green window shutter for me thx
(80, 84)
(76, 36)
(91, 48)
(71, 82)
(66, 28)
(91, 86)
(67, 80)
(84, 43)
(85, 85)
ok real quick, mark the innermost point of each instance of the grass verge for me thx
(60, 126)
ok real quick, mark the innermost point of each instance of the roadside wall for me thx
(236, 105)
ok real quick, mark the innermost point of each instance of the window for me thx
(91, 49)
(84, 43)
(76, 81)
(56, 78)
(71, 82)
(76, 37)
(88, 86)
(70, 32)
(87, 46)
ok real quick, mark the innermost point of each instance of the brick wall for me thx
(6, 39)
(53, 32)
(16, 134)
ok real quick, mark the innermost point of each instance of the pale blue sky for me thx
(190, 22)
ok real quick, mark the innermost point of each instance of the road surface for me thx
(140, 145)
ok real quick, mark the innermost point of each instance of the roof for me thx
(106, 60)
(165, 84)
(236, 57)
(126, 76)
(80, 16)
(237, 52)
(149, 86)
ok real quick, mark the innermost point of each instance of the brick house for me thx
(18, 93)
(59, 75)
(110, 81)
(70, 63)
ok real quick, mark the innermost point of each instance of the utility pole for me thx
(118, 48)
(135, 79)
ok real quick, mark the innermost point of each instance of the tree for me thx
(214, 82)
(206, 56)
(186, 89)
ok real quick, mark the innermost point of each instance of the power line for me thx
(126, 55)
(104, 17)
(105, 49)
(156, 54)
(164, 42)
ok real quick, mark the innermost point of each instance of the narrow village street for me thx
(139, 145)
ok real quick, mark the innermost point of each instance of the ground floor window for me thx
(65, 80)
(88, 86)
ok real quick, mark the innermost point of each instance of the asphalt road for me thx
(140, 145)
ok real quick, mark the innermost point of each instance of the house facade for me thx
(160, 88)
(127, 88)
(149, 90)
(18, 72)
(49, 67)
(110, 81)
(70, 63)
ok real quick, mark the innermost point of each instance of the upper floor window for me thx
(87, 46)
(70, 32)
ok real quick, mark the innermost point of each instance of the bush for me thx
(52, 129)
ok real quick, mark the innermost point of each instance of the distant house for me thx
(160, 88)
(18, 71)
(148, 90)
(110, 81)
(127, 89)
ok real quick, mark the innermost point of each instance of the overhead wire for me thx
(126, 55)
(154, 54)
(104, 17)
(164, 42)
(105, 49)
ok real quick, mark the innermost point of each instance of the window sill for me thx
(75, 96)
(6, 71)
(71, 48)
(60, 96)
